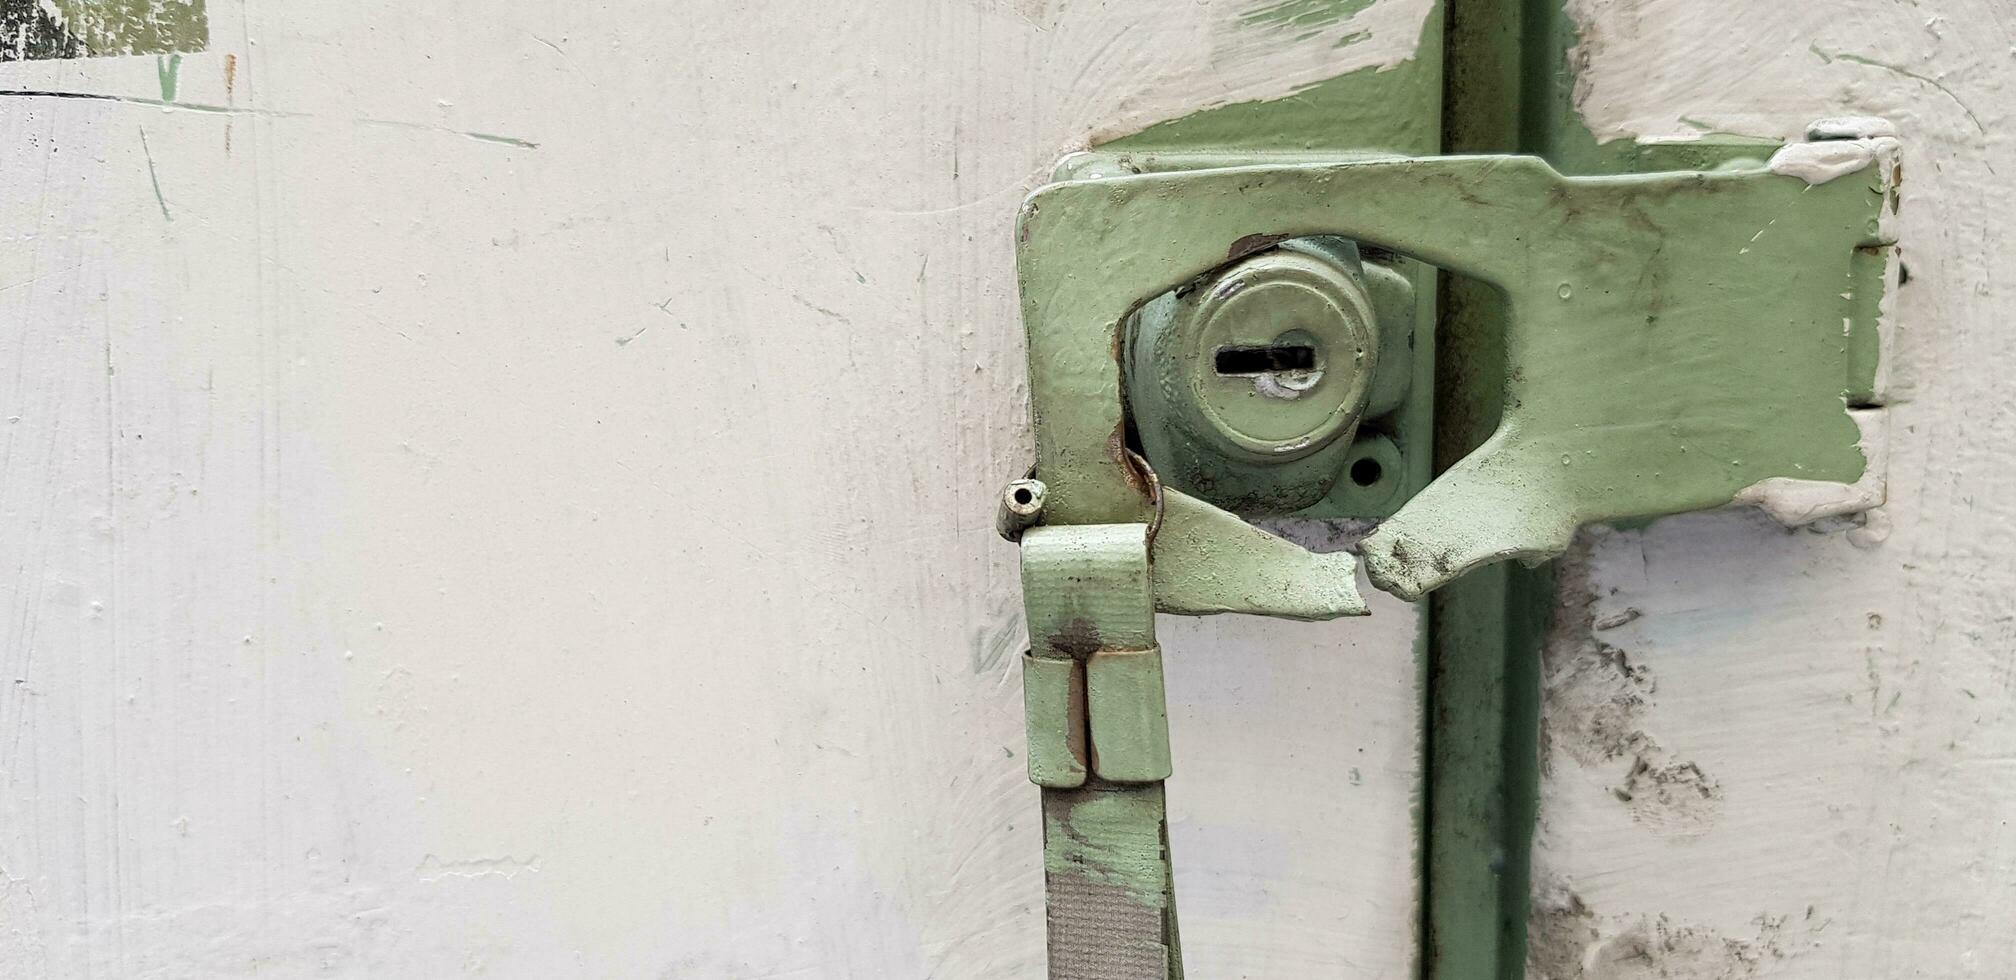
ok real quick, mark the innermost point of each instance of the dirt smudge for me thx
(1594, 699)
(1568, 940)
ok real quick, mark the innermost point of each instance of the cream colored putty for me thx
(1798, 503)
(429, 555)
(1777, 754)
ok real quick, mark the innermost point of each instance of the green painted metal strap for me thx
(1112, 913)
(1099, 747)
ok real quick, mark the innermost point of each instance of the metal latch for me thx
(1213, 338)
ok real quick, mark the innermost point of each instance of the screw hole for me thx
(1023, 496)
(1366, 472)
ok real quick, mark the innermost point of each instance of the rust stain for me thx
(230, 76)
(1116, 447)
(1253, 243)
(1079, 638)
(1078, 730)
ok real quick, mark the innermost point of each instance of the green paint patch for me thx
(169, 69)
(1302, 14)
(1394, 109)
(1113, 837)
(154, 178)
(34, 30)
(505, 140)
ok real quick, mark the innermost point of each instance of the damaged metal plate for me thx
(1673, 340)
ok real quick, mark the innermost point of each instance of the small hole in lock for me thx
(1266, 360)
(1366, 472)
(1023, 496)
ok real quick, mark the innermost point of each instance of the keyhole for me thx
(1272, 359)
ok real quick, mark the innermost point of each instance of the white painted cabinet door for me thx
(506, 489)
(1789, 755)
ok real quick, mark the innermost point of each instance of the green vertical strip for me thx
(1509, 89)
(1484, 629)
(1483, 770)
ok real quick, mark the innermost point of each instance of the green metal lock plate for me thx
(1675, 341)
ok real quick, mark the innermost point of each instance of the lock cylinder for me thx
(1247, 386)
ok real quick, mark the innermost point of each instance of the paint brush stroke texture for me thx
(41, 29)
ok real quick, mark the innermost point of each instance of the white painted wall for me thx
(1818, 740)
(507, 490)
(430, 555)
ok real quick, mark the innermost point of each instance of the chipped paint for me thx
(1851, 128)
(1302, 15)
(1248, 55)
(1099, 836)
(48, 29)
(1361, 102)
(32, 31)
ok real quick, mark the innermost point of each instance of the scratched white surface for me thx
(1806, 769)
(506, 488)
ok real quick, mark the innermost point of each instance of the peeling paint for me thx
(434, 868)
(1096, 836)
(1300, 15)
(50, 29)
(1247, 65)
